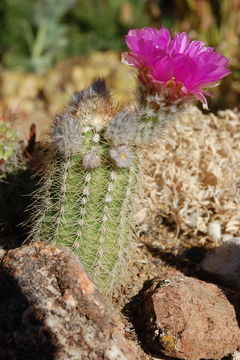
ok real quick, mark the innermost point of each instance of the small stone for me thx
(224, 262)
(236, 355)
(189, 319)
(2, 252)
(227, 237)
(49, 309)
(214, 230)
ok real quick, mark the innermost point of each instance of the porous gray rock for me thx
(189, 319)
(224, 262)
(49, 309)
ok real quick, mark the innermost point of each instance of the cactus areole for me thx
(92, 170)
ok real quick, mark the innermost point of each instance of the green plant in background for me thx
(101, 25)
(38, 34)
(35, 34)
(13, 46)
(49, 42)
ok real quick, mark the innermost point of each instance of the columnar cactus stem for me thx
(89, 178)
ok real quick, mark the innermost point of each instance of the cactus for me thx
(8, 141)
(11, 158)
(93, 167)
(90, 176)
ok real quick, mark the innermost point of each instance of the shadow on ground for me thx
(22, 336)
(15, 190)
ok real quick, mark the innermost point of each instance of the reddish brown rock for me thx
(49, 309)
(190, 319)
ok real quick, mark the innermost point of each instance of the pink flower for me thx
(179, 68)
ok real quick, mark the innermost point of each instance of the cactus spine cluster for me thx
(90, 177)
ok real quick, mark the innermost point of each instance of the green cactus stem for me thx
(89, 180)
(85, 198)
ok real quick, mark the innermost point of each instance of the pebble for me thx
(236, 355)
(214, 230)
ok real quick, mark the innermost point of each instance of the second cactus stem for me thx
(89, 179)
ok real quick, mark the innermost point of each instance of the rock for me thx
(49, 309)
(214, 230)
(224, 262)
(236, 355)
(189, 319)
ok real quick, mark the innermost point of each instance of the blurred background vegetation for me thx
(37, 34)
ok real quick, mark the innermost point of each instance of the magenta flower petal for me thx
(148, 43)
(177, 67)
(199, 95)
(164, 39)
(184, 69)
(196, 47)
(162, 69)
(180, 43)
(132, 59)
